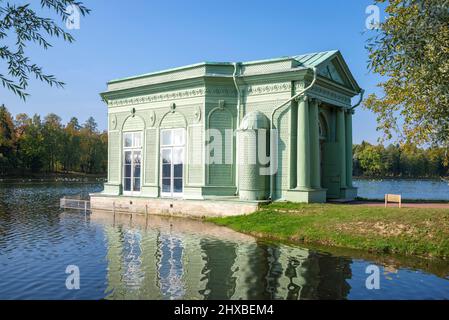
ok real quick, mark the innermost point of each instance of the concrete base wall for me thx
(173, 207)
(112, 189)
(306, 196)
(348, 193)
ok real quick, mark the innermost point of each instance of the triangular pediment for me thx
(332, 71)
(331, 66)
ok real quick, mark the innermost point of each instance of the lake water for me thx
(167, 258)
(409, 189)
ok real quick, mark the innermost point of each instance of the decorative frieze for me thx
(248, 90)
(267, 88)
(331, 95)
(183, 94)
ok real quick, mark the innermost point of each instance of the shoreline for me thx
(413, 232)
(430, 178)
(55, 177)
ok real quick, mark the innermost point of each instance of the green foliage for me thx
(411, 50)
(408, 231)
(406, 161)
(7, 140)
(25, 26)
(30, 145)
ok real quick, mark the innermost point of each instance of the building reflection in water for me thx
(170, 266)
(170, 258)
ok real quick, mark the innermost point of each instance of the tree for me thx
(392, 160)
(23, 23)
(7, 140)
(411, 50)
(89, 145)
(52, 131)
(91, 125)
(71, 151)
(370, 159)
(30, 144)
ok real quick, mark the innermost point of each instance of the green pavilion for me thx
(186, 135)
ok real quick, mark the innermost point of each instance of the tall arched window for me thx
(132, 145)
(132, 162)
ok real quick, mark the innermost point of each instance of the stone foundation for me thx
(173, 207)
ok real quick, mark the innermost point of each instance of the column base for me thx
(113, 189)
(306, 195)
(348, 193)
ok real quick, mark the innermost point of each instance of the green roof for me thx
(314, 59)
(304, 60)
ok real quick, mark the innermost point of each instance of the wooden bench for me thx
(395, 198)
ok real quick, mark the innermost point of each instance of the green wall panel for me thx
(195, 164)
(151, 153)
(114, 156)
(221, 174)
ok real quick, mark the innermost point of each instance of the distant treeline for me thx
(406, 161)
(32, 145)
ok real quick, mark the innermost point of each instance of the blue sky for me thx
(125, 38)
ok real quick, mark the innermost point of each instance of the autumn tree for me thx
(411, 52)
(30, 143)
(52, 132)
(7, 140)
(71, 145)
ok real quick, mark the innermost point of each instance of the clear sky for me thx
(125, 38)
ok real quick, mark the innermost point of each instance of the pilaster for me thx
(315, 170)
(341, 140)
(303, 140)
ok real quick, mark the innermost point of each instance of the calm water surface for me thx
(166, 258)
(409, 189)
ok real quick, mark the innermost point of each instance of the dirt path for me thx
(404, 205)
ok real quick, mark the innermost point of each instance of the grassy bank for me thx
(408, 231)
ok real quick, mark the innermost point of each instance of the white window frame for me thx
(172, 146)
(133, 148)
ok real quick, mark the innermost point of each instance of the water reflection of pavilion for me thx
(185, 259)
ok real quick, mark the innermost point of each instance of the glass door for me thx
(172, 162)
(132, 162)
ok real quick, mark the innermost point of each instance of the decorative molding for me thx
(152, 119)
(182, 94)
(253, 90)
(113, 122)
(197, 114)
(184, 118)
(330, 95)
(248, 90)
(221, 91)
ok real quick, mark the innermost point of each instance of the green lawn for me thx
(408, 231)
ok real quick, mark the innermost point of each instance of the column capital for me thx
(350, 111)
(317, 101)
(302, 98)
